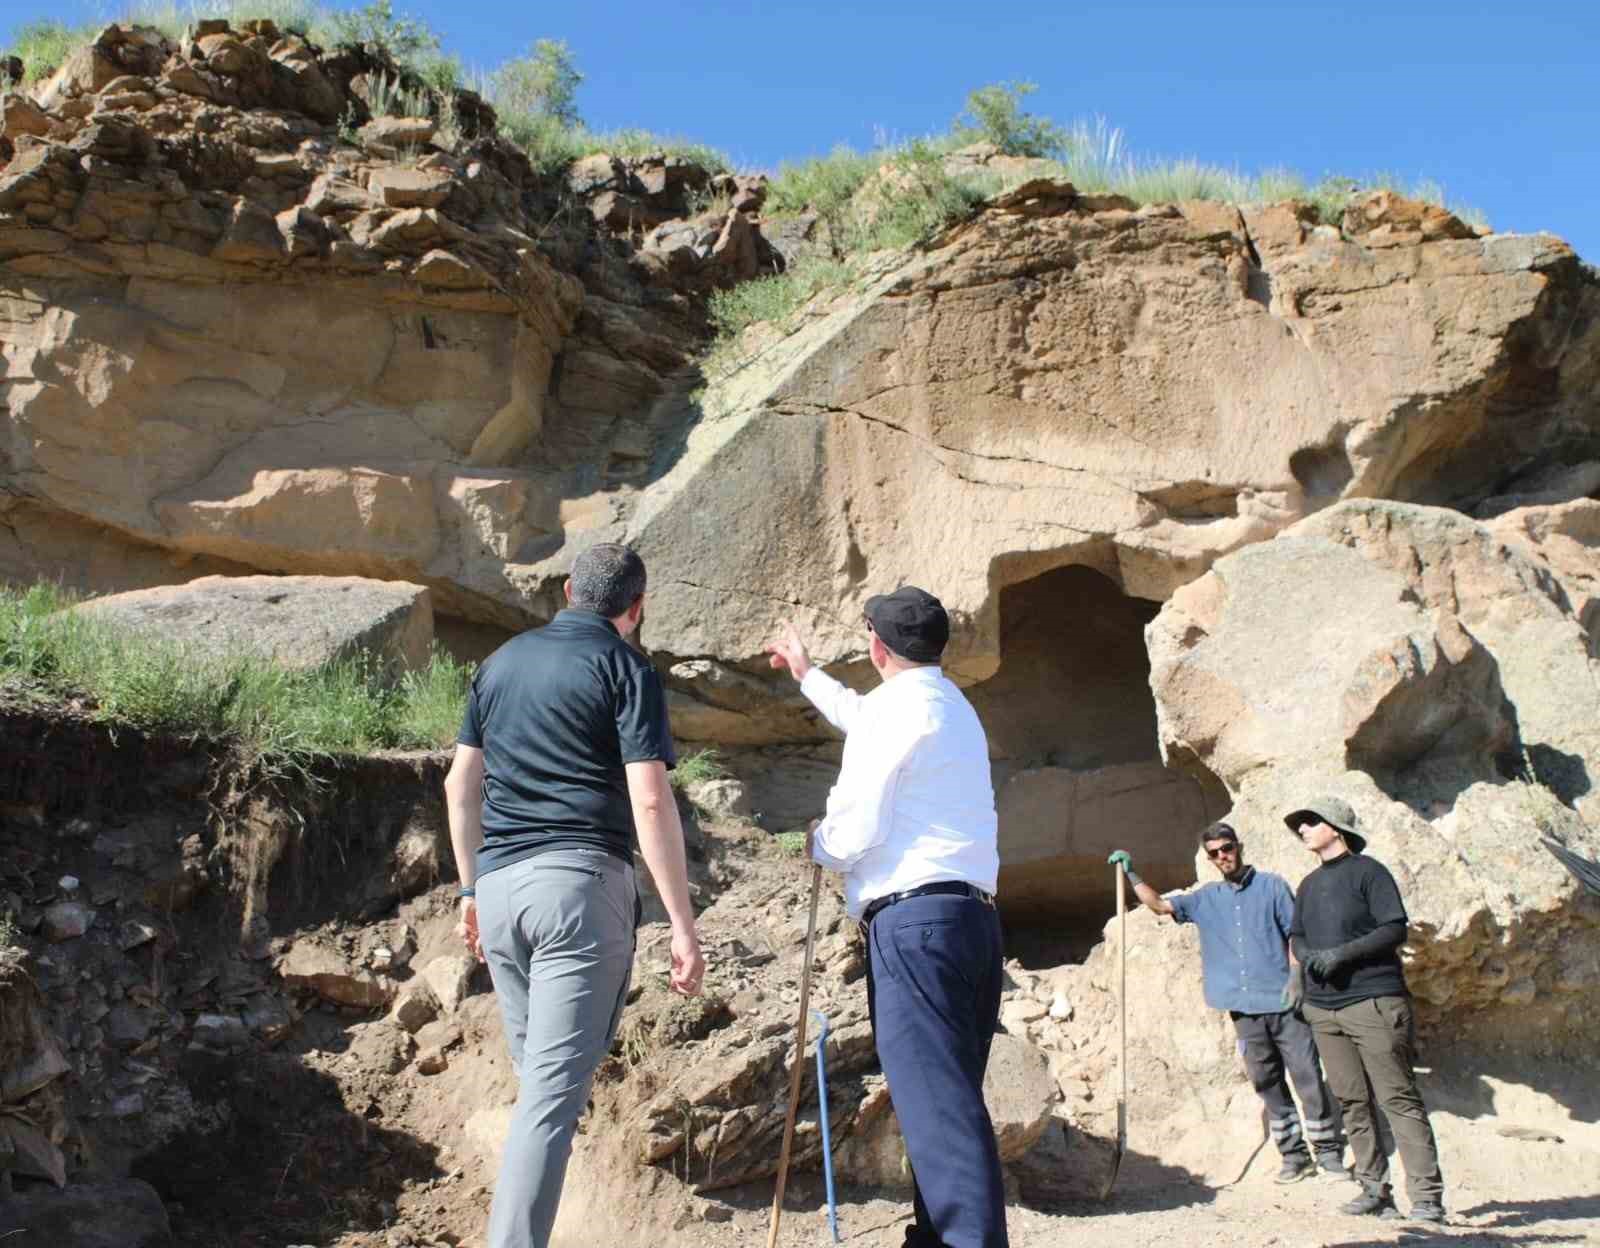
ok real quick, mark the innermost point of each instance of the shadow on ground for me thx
(289, 1161)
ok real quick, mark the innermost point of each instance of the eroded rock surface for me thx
(1435, 671)
(298, 621)
(251, 327)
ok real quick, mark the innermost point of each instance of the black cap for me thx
(911, 622)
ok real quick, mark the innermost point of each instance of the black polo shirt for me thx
(558, 712)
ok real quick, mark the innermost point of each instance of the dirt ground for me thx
(338, 1134)
(1522, 1165)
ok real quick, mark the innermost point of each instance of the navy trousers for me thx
(933, 991)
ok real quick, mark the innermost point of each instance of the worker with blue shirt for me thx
(911, 826)
(1244, 920)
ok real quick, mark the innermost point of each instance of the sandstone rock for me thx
(723, 797)
(315, 967)
(66, 920)
(267, 1018)
(1384, 219)
(30, 1055)
(414, 1007)
(299, 621)
(251, 236)
(117, 51)
(302, 232)
(450, 978)
(19, 115)
(448, 270)
(119, 1213)
(1436, 751)
(1020, 1095)
(332, 195)
(1564, 539)
(432, 1061)
(410, 188)
(392, 132)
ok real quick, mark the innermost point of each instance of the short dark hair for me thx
(607, 579)
(1218, 831)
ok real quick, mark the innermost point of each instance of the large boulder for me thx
(297, 621)
(1440, 680)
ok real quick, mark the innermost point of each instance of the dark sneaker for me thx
(1332, 1166)
(1295, 1169)
(1372, 1203)
(1427, 1211)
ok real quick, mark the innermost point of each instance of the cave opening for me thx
(1077, 768)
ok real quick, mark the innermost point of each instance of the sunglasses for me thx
(1231, 847)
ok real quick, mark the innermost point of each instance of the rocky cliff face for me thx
(249, 327)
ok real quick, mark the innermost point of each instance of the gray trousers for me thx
(1273, 1045)
(558, 935)
(1370, 1052)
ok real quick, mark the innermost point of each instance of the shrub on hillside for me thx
(995, 115)
(404, 39)
(542, 84)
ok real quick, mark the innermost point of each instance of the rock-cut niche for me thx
(1077, 768)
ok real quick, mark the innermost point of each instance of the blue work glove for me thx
(1294, 992)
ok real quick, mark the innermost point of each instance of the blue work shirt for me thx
(1244, 934)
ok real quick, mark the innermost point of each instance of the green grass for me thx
(552, 145)
(699, 766)
(792, 843)
(44, 46)
(49, 655)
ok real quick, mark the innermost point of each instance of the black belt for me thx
(955, 888)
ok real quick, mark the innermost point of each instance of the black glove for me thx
(1322, 963)
(1294, 992)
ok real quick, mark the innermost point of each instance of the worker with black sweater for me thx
(1349, 924)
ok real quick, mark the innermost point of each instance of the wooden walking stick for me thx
(799, 1067)
(1122, 1031)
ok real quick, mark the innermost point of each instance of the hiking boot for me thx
(1426, 1211)
(1375, 1202)
(1296, 1168)
(1332, 1166)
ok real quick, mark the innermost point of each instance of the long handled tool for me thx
(1122, 1032)
(822, 1117)
(799, 1066)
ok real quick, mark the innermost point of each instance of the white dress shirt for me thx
(914, 803)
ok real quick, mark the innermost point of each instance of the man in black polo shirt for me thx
(1349, 924)
(563, 756)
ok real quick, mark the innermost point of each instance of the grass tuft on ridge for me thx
(284, 717)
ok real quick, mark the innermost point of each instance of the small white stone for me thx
(68, 883)
(1060, 1007)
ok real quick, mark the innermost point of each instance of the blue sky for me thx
(1500, 103)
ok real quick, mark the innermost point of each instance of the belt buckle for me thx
(986, 898)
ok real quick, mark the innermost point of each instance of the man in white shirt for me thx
(911, 825)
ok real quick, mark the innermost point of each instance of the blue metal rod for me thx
(822, 1106)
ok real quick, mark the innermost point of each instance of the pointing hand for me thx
(789, 651)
